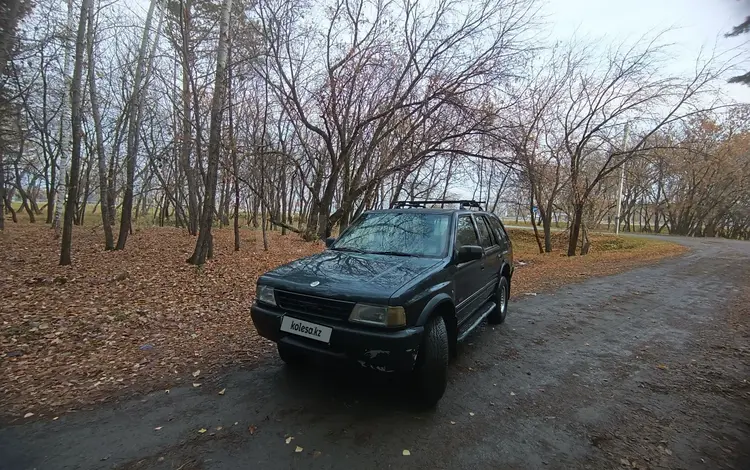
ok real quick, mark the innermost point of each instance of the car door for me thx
(492, 262)
(469, 275)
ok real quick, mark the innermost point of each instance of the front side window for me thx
(397, 233)
(465, 233)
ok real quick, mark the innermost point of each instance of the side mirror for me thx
(469, 253)
(329, 241)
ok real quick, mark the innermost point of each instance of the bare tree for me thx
(626, 86)
(66, 118)
(76, 115)
(379, 107)
(204, 245)
(135, 105)
(101, 155)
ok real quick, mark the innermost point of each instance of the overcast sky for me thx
(697, 23)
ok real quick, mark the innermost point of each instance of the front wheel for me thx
(431, 372)
(501, 302)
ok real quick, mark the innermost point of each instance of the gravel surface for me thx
(645, 369)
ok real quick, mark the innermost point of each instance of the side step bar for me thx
(489, 307)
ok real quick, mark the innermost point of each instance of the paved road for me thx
(640, 368)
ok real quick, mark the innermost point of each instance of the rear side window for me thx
(499, 231)
(485, 237)
(465, 233)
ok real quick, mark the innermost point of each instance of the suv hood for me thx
(348, 276)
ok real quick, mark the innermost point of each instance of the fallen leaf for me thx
(289, 439)
(156, 292)
(28, 415)
(662, 367)
(197, 373)
(298, 449)
(221, 392)
(202, 430)
(196, 385)
(252, 430)
(405, 452)
(158, 428)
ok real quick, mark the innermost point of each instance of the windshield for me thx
(397, 233)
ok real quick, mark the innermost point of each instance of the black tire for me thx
(290, 355)
(501, 302)
(431, 371)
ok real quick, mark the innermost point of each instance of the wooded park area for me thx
(287, 114)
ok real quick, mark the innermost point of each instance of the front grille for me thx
(308, 304)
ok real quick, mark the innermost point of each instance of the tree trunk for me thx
(585, 243)
(19, 185)
(204, 245)
(84, 196)
(133, 130)
(2, 191)
(75, 113)
(263, 225)
(101, 156)
(9, 206)
(575, 228)
(65, 127)
(233, 154)
(533, 224)
(10, 25)
(282, 197)
(187, 167)
(223, 194)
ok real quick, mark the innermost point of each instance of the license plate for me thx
(307, 329)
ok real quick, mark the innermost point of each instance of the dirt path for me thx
(646, 369)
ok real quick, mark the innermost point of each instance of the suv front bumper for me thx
(382, 350)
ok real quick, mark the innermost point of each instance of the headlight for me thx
(379, 315)
(265, 294)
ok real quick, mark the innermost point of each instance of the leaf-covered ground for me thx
(124, 322)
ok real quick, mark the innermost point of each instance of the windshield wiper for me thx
(393, 253)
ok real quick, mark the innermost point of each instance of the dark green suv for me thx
(395, 292)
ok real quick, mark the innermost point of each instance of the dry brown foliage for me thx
(123, 322)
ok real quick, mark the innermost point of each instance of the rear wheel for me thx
(431, 372)
(501, 302)
(290, 355)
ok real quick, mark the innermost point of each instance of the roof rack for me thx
(463, 203)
